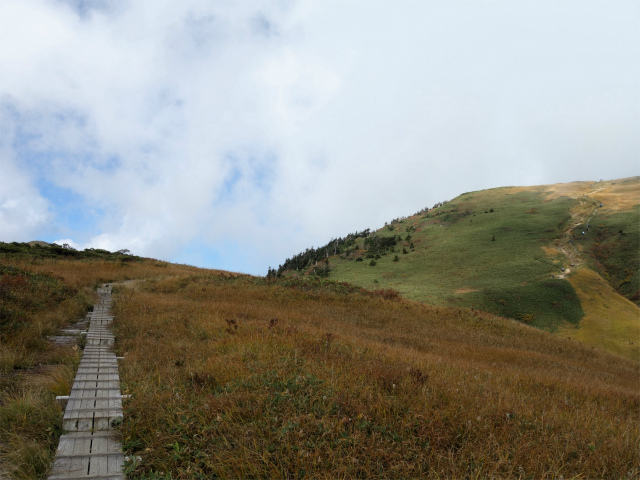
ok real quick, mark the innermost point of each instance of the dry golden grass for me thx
(551, 251)
(38, 298)
(612, 323)
(573, 189)
(235, 378)
(90, 273)
(617, 195)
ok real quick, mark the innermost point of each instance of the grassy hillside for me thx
(235, 376)
(503, 251)
(239, 377)
(42, 289)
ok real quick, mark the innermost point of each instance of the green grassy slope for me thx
(482, 250)
(503, 250)
(613, 250)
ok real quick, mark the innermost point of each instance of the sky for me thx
(234, 134)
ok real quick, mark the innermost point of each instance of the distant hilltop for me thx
(40, 243)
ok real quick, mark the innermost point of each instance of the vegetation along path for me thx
(90, 449)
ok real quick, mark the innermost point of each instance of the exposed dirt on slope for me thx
(466, 290)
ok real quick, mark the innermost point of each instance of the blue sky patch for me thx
(72, 216)
(227, 255)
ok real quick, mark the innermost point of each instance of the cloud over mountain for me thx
(232, 134)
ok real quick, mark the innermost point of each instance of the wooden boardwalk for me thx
(89, 448)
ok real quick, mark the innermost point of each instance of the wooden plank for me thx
(114, 455)
(97, 357)
(75, 413)
(81, 404)
(102, 364)
(70, 467)
(112, 369)
(104, 384)
(95, 477)
(78, 424)
(100, 376)
(115, 398)
(88, 444)
(89, 435)
(95, 371)
(106, 445)
(98, 340)
(93, 364)
(108, 365)
(94, 392)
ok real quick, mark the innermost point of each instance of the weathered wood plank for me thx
(117, 398)
(99, 376)
(94, 403)
(94, 392)
(81, 413)
(105, 384)
(110, 369)
(99, 357)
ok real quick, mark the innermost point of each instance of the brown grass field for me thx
(238, 378)
(233, 376)
(37, 298)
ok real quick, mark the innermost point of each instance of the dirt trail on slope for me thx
(611, 321)
(610, 196)
(581, 214)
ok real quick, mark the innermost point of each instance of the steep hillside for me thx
(513, 251)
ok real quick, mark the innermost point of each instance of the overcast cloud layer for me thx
(235, 134)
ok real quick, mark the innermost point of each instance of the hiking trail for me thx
(90, 448)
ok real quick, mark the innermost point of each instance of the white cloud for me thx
(24, 214)
(281, 125)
